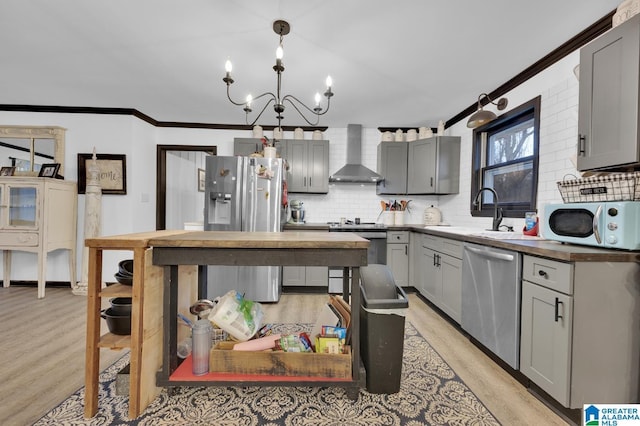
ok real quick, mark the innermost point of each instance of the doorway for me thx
(178, 201)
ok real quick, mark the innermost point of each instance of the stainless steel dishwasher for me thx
(491, 287)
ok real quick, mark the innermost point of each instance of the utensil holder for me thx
(399, 217)
(388, 217)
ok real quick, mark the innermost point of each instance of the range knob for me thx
(612, 211)
(612, 240)
(612, 226)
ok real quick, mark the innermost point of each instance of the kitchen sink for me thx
(479, 232)
(503, 235)
(461, 230)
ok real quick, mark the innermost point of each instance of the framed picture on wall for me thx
(113, 173)
(201, 180)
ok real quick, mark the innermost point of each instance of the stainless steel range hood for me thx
(354, 171)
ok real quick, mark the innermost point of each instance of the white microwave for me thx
(607, 224)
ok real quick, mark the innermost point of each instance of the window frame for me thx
(526, 111)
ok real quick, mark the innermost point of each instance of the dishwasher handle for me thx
(491, 254)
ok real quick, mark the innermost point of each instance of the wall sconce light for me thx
(482, 116)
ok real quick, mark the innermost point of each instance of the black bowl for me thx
(117, 323)
(121, 305)
(125, 267)
(124, 279)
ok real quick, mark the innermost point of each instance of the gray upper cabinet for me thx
(429, 166)
(434, 166)
(244, 147)
(308, 161)
(608, 111)
(392, 166)
(308, 165)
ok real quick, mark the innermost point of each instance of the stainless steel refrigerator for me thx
(244, 194)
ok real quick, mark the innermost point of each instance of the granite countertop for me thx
(536, 247)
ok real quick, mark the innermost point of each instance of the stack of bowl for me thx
(118, 316)
(125, 272)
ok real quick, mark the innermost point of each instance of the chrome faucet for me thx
(497, 211)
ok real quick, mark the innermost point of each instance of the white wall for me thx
(135, 212)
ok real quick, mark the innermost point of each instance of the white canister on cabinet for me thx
(432, 216)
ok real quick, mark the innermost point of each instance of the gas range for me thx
(376, 233)
(350, 226)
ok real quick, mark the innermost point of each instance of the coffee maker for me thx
(297, 211)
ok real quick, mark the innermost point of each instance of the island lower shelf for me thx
(183, 376)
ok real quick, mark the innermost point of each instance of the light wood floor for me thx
(42, 355)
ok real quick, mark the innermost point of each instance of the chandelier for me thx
(281, 28)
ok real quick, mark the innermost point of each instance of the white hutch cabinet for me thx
(37, 215)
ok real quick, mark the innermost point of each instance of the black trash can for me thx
(382, 317)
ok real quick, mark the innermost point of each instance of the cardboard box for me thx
(223, 359)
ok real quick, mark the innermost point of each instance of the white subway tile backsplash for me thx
(558, 133)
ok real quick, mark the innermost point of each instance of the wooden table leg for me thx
(92, 362)
(135, 364)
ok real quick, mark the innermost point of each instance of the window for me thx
(505, 158)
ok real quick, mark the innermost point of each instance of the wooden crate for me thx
(309, 364)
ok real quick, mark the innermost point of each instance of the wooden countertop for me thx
(309, 239)
(544, 248)
(129, 241)
(262, 240)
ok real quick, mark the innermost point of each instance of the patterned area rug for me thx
(431, 393)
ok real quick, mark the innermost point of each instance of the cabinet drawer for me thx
(400, 237)
(452, 247)
(432, 242)
(24, 239)
(443, 245)
(548, 273)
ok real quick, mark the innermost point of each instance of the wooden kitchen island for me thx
(257, 249)
(165, 264)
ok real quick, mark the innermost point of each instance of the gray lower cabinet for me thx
(608, 134)
(441, 274)
(398, 256)
(415, 265)
(545, 339)
(305, 276)
(580, 329)
(425, 166)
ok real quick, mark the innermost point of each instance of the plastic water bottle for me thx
(201, 346)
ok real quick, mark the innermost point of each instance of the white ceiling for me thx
(398, 63)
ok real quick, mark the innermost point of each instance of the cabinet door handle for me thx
(582, 142)
(406, 250)
(434, 260)
(557, 310)
(431, 182)
(543, 273)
